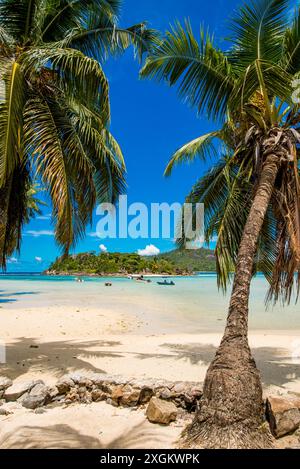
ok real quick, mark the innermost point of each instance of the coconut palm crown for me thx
(55, 110)
(251, 194)
(250, 90)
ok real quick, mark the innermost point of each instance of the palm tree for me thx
(55, 113)
(252, 193)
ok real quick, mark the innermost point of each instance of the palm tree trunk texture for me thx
(231, 410)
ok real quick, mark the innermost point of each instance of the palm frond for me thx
(229, 223)
(13, 211)
(286, 207)
(34, 203)
(114, 147)
(291, 46)
(267, 249)
(201, 71)
(104, 39)
(258, 29)
(6, 43)
(276, 83)
(202, 147)
(76, 74)
(107, 158)
(63, 168)
(68, 15)
(109, 179)
(226, 194)
(17, 18)
(11, 112)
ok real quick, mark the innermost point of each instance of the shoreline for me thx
(135, 333)
(129, 276)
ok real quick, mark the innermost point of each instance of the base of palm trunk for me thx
(231, 412)
(238, 435)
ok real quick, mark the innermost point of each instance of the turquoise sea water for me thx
(194, 304)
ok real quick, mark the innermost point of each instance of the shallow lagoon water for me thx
(194, 304)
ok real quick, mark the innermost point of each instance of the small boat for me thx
(79, 280)
(141, 278)
(166, 284)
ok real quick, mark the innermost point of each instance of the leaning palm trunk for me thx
(249, 87)
(231, 409)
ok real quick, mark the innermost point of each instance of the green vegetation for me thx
(55, 111)
(251, 193)
(198, 260)
(174, 263)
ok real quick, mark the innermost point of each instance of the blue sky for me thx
(150, 123)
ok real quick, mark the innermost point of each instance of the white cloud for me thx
(44, 217)
(149, 250)
(103, 248)
(37, 234)
(93, 234)
(38, 259)
(12, 260)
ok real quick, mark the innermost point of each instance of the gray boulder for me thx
(18, 389)
(5, 383)
(37, 397)
(53, 392)
(4, 411)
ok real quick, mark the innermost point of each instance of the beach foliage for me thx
(246, 89)
(173, 262)
(55, 111)
(251, 192)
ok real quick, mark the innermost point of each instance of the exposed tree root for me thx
(239, 435)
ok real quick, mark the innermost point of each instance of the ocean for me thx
(194, 304)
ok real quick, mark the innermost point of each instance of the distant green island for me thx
(176, 262)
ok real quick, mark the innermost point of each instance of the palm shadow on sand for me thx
(64, 436)
(59, 357)
(275, 364)
(13, 297)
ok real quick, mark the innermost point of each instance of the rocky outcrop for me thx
(16, 390)
(165, 399)
(64, 385)
(121, 391)
(283, 415)
(4, 384)
(36, 397)
(162, 412)
(115, 390)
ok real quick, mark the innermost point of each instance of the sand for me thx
(53, 341)
(94, 426)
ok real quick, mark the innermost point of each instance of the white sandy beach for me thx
(46, 342)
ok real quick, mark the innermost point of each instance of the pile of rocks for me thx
(115, 390)
(119, 391)
(164, 399)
